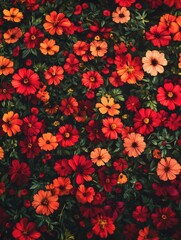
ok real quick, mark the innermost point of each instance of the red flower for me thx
(54, 75)
(164, 218)
(29, 146)
(31, 126)
(96, 30)
(125, 3)
(67, 136)
(62, 167)
(115, 80)
(4, 216)
(173, 122)
(112, 127)
(172, 3)
(85, 195)
(25, 230)
(2, 188)
(120, 164)
(19, 172)
(82, 167)
(145, 120)
(155, 3)
(141, 214)
(6, 91)
(169, 95)
(69, 106)
(132, 103)
(94, 132)
(33, 37)
(130, 231)
(92, 79)
(26, 81)
(72, 64)
(103, 226)
(159, 36)
(107, 181)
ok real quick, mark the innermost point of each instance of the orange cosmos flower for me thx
(49, 47)
(121, 15)
(47, 142)
(107, 105)
(54, 75)
(134, 144)
(55, 22)
(179, 64)
(168, 22)
(43, 95)
(1, 153)
(6, 66)
(168, 168)
(11, 123)
(12, 35)
(98, 48)
(84, 195)
(122, 179)
(62, 186)
(177, 36)
(153, 62)
(45, 203)
(13, 15)
(100, 156)
(80, 48)
(130, 70)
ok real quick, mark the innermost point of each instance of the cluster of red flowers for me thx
(90, 97)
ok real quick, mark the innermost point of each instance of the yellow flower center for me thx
(130, 69)
(170, 94)
(67, 135)
(146, 120)
(33, 37)
(164, 217)
(97, 38)
(113, 126)
(102, 223)
(92, 79)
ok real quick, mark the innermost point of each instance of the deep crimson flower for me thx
(115, 80)
(145, 120)
(99, 198)
(4, 216)
(26, 81)
(25, 230)
(62, 167)
(173, 122)
(67, 136)
(33, 37)
(120, 164)
(172, 3)
(114, 209)
(132, 103)
(164, 218)
(130, 231)
(6, 91)
(99, 31)
(29, 146)
(169, 95)
(31, 126)
(141, 213)
(107, 181)
(72, 64)
(125, 3)
(155, 3)
(19, 172)
(69, 106)
(32, 5)
(82, 167)
(94, 132)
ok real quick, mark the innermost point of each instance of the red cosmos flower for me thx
(82, 167)
(33, 37)
(125, 3)
(94, 132)
(98, 31)
(147, 233)
(67, 136)
(25, 230)
(114, 209)
(112, 127)
(26, 81)
(169, 95)
(172, 3)
(155, 3)
(54, 75)
(92, 79)
(62, 167)
(107, 181)
(6, 91)
(4, 216)
(19, 172)
(32, 5)
(103, 226)
(158, 35)
(120, 164)
(141, 214)
(173, 122)
(132, 103)
(72, 64)
(164, 218)
(115, 80)
(29, 146)
(130, 231)
(145, 120)
(69, 106)
(85, 110)
(62, 186)
(80, 48)
(31, 126)
(85, 195)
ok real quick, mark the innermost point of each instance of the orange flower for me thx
(107, 105)
(13, 15)
(49, 47)
(1, 153)
(130, 70)
(55, 22)
(11, 123)
(168, 21)
(121, 15)
(45, 203)
(62, 186)
(84, 195)
(43, 95)
(100, 156)
(134, 144)
(47, 142)
(177, 36)
(98, 48)
(156, 153)
(122, 179)
(179, 64)
(12, 35)
(153, 62)
(80, 48)
(168, 168)
(6, 66)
